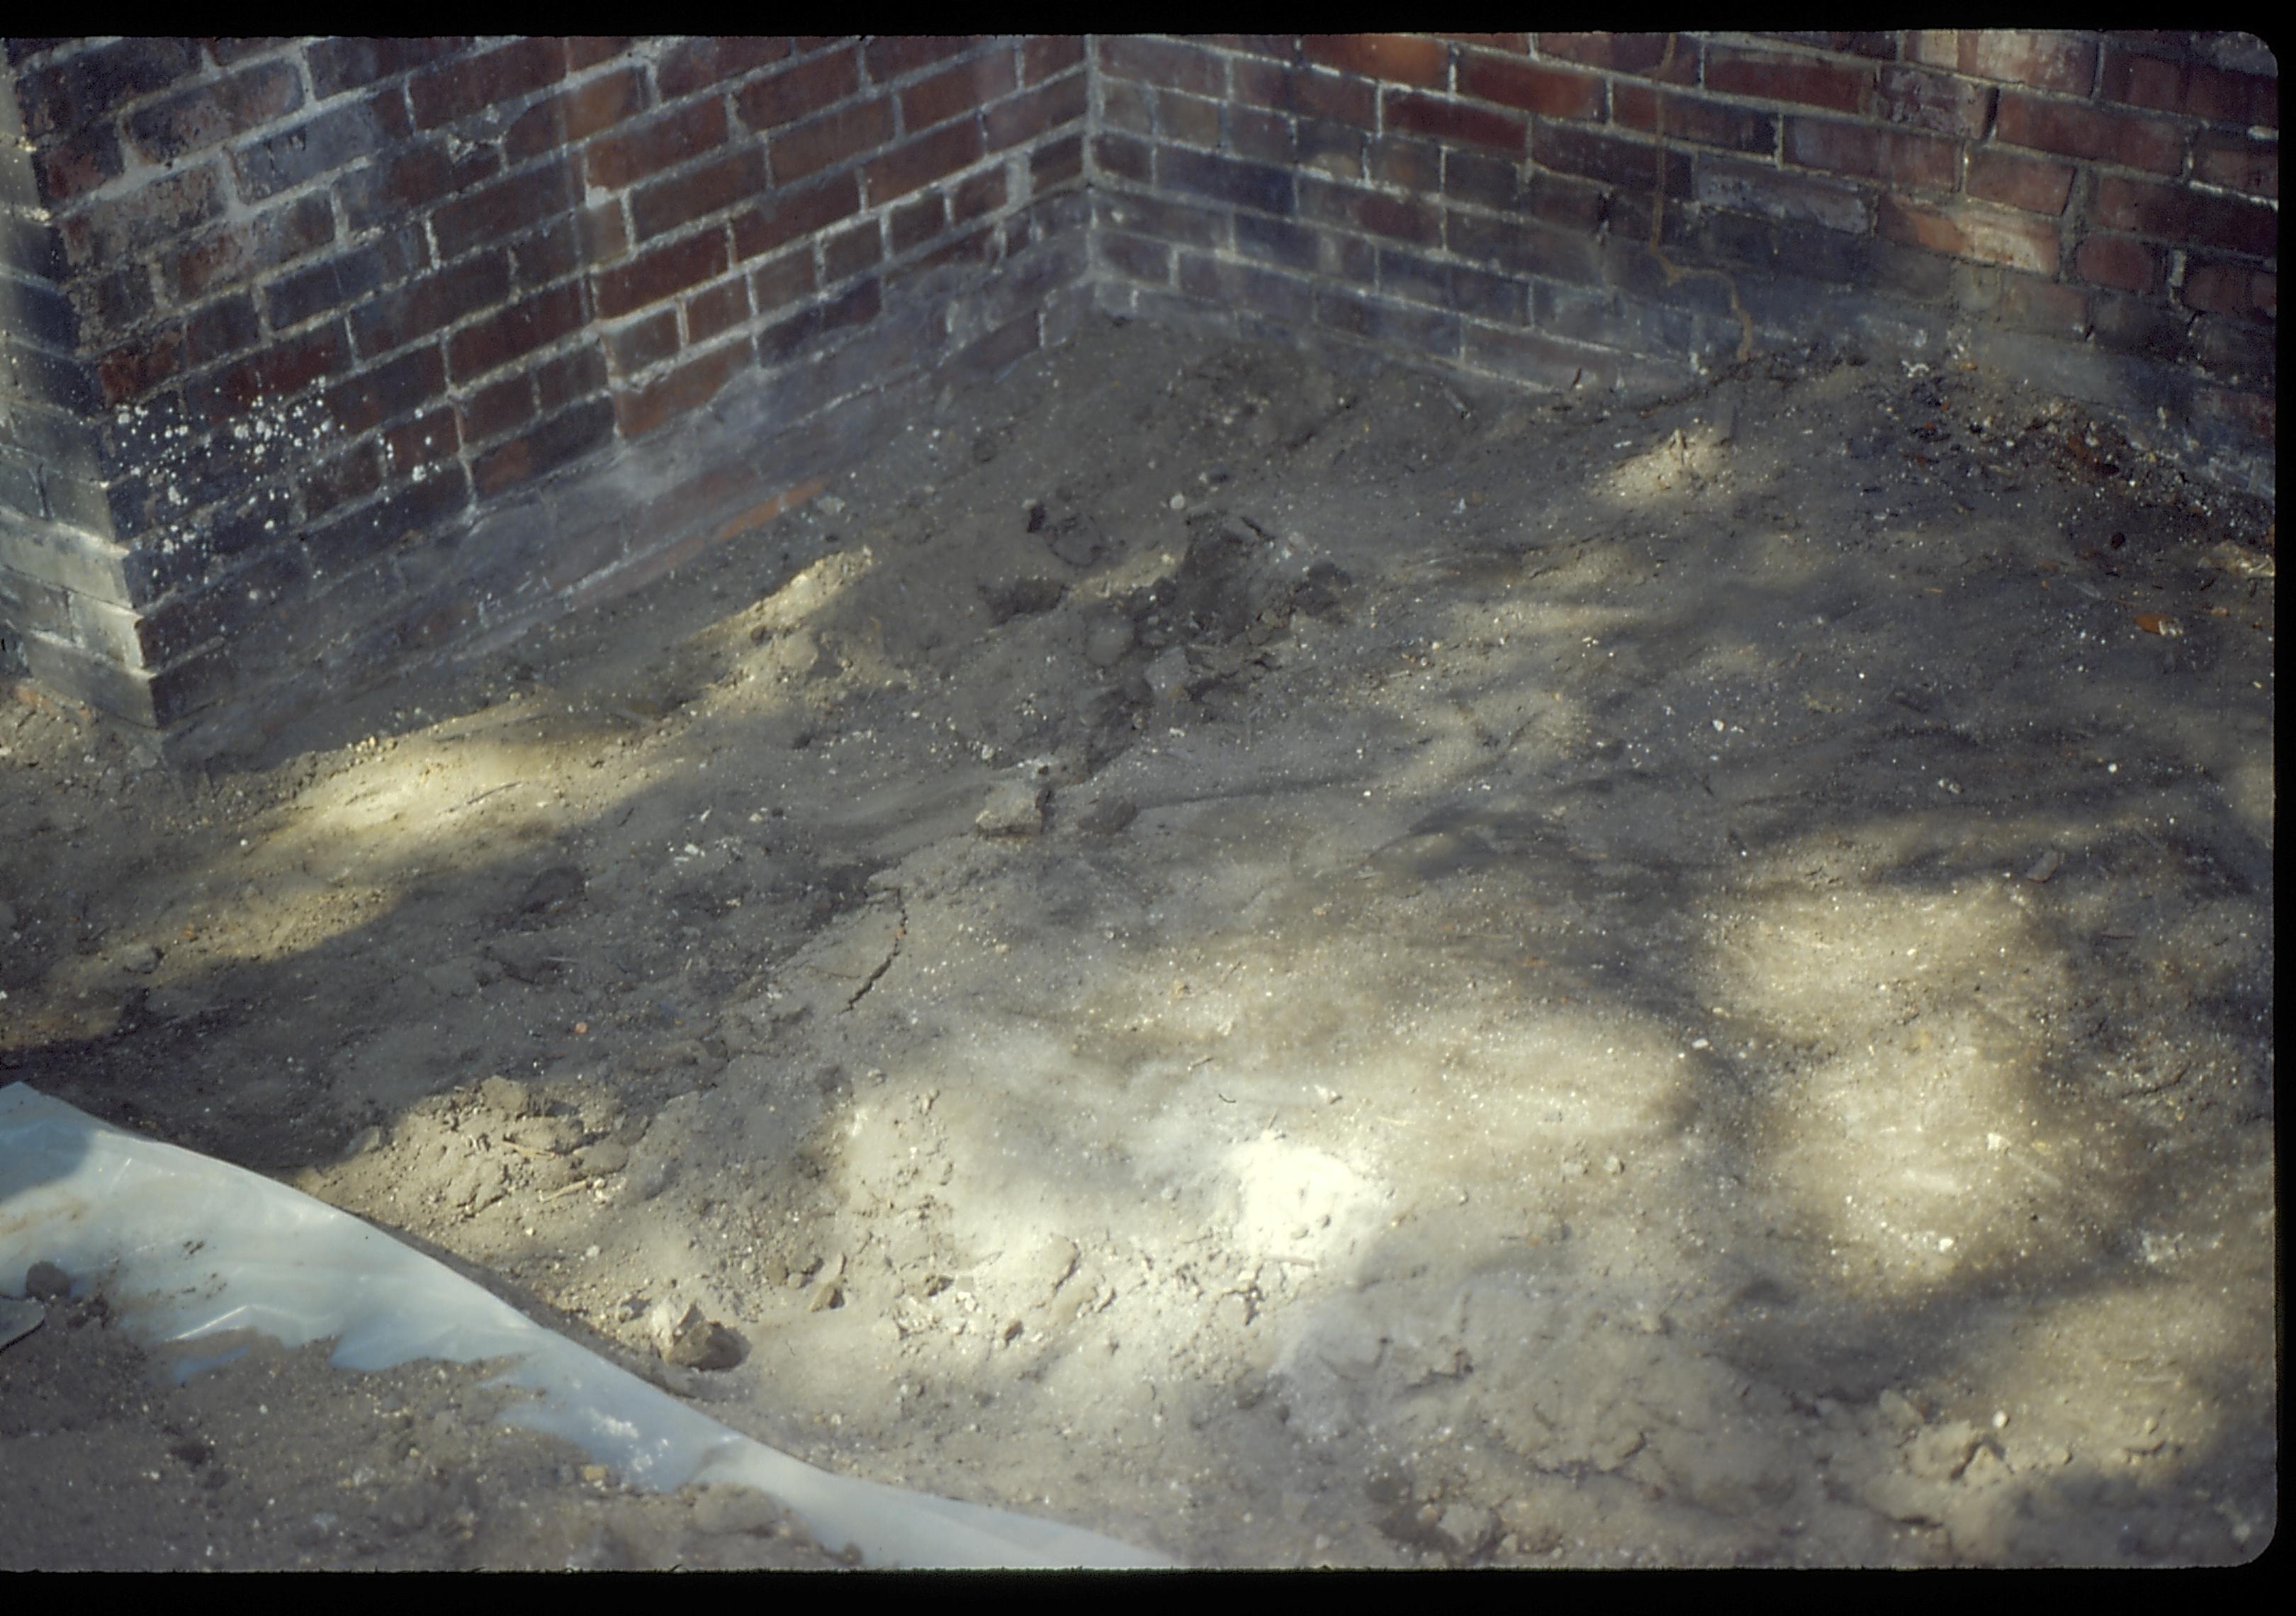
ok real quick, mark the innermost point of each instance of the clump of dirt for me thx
(1290, 967)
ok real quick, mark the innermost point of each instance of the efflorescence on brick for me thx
(318, 355)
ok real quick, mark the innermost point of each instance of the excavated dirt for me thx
(1293, 967)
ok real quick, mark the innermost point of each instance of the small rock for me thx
(1898, 1412)
(2045, 866)
(606, 1158)
(551, 891)
(1943, 1453)
(506, 1096)
(1016, 808)
(45, 1281)
(667, 1321)
(455, 978)
(1168, 676)
(367, 1139)
(1046, 1271)
(1108, 816)
(140, 958)
(708, 1346)
(1106, 643)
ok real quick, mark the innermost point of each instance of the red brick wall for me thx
(1629, 209)
(280, 320)
(317, 355)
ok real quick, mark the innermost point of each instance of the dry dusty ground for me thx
(1292, 967)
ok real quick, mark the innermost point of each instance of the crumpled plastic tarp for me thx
(185, 1247)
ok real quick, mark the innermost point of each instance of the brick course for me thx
(271, 311)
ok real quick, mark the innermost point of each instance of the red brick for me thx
(799, 91)
(651, 277)
(245, 247)
(2194, 89)
(1458, 122)
(1938, 102)
(2175, 215)
(490, 343)
(2019, 182)
(455, 89)
(1165, 62)
(2033, 304)
(2236, 162)
(696, 64)
(1042, 55)
(588, 50)
(2233, 288)
(508, 206)
(1397, 58)
(1630, 165)
(850, 251)
(953, 91)
(2116, 260)
(78, 164)
(337, 482)
(1374, 212)
(278, 372)
(1127, 107)
(423, 441)
(498, 408)
(200, 116)
(578, 373)
(86, 88)
(1410, 165)
(982, 193)
(810, 147)
(1189, 119)
(564, 437)
(1225, 179)
(1801, 79)
(891, 55)
(1882, 46)
(1135, 255)
(1669, 57)
(645, 343)
(1056, 162)
(113, 228)
(921, 162)
(1124, 157)
(1034, 112)
(2064, 63)
(661, 141)
(1967, 231)
(666, 204)
(340, 64)
(383, 194)
(1550, 92)
(1514, 45)
(783, 281)
(1918, 160)
(2126, 138)
(1768, 192)
(575, 115)
(1712, 123)
(1289, 89)
(685, 388)
(1263, 136)
(913, 223)
(789, 212)
(381, 391)
(1266, 292)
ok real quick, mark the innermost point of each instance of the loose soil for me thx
(1294, 967)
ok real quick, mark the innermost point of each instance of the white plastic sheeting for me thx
(184, 1247)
